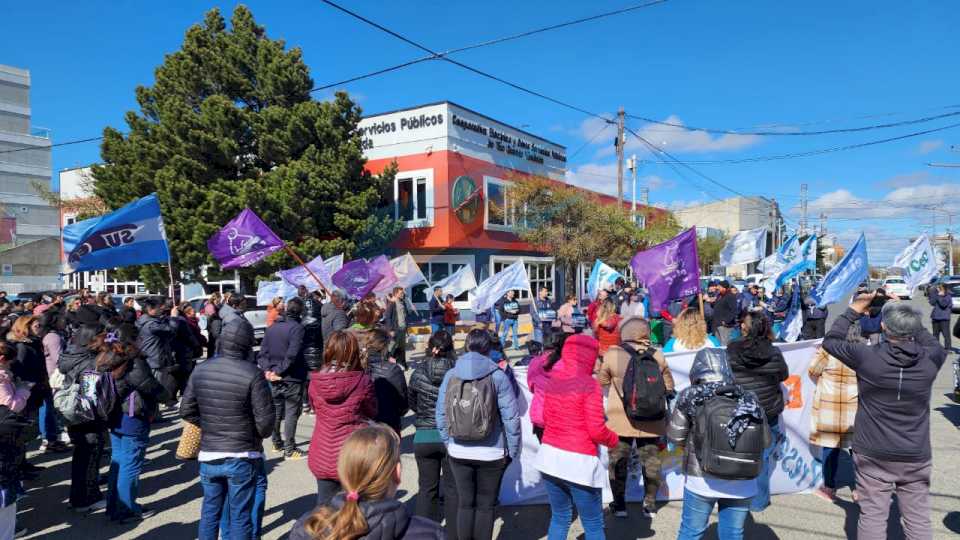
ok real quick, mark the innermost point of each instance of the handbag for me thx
(189, 446)
(57, 379)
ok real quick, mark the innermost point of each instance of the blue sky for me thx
(808, 66)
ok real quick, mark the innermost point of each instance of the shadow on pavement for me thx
(520, 523)
(950, 411)
(291, 512)
(952, 522)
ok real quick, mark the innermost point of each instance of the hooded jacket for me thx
(424, 389)
(895, 380)
(386, 520)
(228, 397)
(573, 417)
(155, 340)
(343, 401)
(312, 333)
(759, 367)
(504, 440)
(75, 360)
(332, 319)
(612, 370)
(710, 369)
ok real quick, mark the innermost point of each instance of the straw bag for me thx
(189, 447)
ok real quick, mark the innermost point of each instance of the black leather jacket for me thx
(758, 366)
(424, 389)
(237, 407)
(390, 386)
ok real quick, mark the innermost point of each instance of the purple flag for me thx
(243, 241)
(357, 278)
(669, 270)
(389, 278)
(299, 275)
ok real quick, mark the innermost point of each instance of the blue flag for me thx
(793, 323)
(845, 276)
(799, 261)
(788, 247)
(128, 236)
(601, 277)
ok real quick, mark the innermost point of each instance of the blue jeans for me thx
(49, 427)
(259, 500)
(127, 456)
(509, 324)
(830, 458)
(435, 327)
(497, 321)
(696, 517)
(762, 499)
(233, 480)
(563, 495)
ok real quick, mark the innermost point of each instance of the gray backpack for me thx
(471, 407)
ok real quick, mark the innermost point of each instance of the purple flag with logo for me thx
(669, 270)
(357, 278)
(243, 241)
(389, 278)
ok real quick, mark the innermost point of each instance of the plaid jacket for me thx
(834, 402)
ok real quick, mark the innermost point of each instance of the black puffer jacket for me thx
(75, 360)
(312, 335)
(155, 340)
(229, 398)
(149, 393)
(424, 389)
(758, 366)
(390, 386)
(386, 520)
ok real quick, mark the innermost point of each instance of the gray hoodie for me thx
(505, 438)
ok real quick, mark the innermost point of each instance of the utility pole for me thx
(632, 165)
(645, 196)
(620, 128)
(803, 209)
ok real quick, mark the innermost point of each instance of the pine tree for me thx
(229, 123)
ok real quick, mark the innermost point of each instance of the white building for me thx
(28, 257)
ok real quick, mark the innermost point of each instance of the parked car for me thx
(896, 286)
(257, 315)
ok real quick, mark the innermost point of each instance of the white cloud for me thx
(603, 178)
(669, 138)
(926, 147)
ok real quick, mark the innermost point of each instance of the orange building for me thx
(454, 167)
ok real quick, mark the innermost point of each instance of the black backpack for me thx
(644, 392)
(712, 446)
(471, 407)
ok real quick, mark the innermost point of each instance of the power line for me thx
(821, 151)
(782, 133)
(66, 143)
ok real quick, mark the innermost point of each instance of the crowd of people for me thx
(597, 377)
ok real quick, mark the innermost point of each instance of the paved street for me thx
(172, 488)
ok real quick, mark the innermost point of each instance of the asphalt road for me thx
(172, 488)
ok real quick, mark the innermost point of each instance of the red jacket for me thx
(344, 401)
(608, 333)
(572, 402)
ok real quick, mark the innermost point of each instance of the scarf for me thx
(748, 408)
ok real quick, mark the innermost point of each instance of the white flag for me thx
(458, 282)
(334, 263)
(407, 271)
(268, 290)
(745, 247)
(493, 288)
(918, 262)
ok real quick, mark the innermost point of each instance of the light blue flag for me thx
(845, 276)
(793, 323)
(513, 277)
(601, 276)
(803, 259)
(268, 290)
(788, 248)
(128, 236)
(459, 282)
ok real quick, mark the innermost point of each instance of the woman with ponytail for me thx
(367, 508)
(138, 395)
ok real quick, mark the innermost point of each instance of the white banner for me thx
(457, 283)
(918, 262)
(795, 470)
(513, 277)
(745, 247)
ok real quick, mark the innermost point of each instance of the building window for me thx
(540, 271)
(500, 215)
(435, 269)
(413, 198)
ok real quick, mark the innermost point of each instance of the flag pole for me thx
(170, 273)
(304, 265)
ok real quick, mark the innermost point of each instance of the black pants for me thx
(88, 442)
(478, 486)
(326, 489)
(813, 329)
(943, 328)
(400, 347)
(287, 401)
(432, 469)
